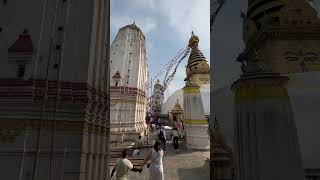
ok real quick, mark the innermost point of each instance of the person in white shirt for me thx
(154, 156)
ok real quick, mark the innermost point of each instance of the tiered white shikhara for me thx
(128, 93)
(196, 125)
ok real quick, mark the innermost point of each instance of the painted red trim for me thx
(22, 45)
(36, 89)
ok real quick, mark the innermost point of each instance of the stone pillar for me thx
(195, 123)
(266, 143)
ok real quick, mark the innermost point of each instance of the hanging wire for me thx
(45, 95)
(61, 58)
(166, 67)
(64, 157)
(39, 41)
(34, 85)
(169, 78)
(24, 150)
(41, 118)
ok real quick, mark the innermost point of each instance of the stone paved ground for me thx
(183, 165)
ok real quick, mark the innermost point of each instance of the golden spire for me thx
(193, 41)
(177, 106)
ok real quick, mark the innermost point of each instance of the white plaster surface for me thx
(303, 89)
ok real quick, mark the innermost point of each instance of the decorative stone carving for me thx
(9, 135)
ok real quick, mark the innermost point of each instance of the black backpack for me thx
(161, 136)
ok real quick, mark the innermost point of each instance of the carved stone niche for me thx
(9, 135)
(22, 50)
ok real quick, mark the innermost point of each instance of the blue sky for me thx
(167, 25)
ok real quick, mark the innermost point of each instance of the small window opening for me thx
(5, 2)
(276, 19)
(116, 84)
(0, 29)
(58, 47)
(55, 66)
(258, 26)
(60, 28)
(21, 70)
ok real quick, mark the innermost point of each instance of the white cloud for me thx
(146, 24)
(141, 4)
(187, 15)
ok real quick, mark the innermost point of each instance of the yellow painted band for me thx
(193, 121)
(191, 90)
(260, 93)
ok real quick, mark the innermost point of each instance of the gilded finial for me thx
(193, 41)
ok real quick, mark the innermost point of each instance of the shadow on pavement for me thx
(202, 173)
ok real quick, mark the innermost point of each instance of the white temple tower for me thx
(128, 70)
(53, 90)
(196, 124)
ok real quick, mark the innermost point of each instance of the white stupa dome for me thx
(178, 94)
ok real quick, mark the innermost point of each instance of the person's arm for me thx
(132, 168)
(148, 157)
(161, 153)
(136, 169)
